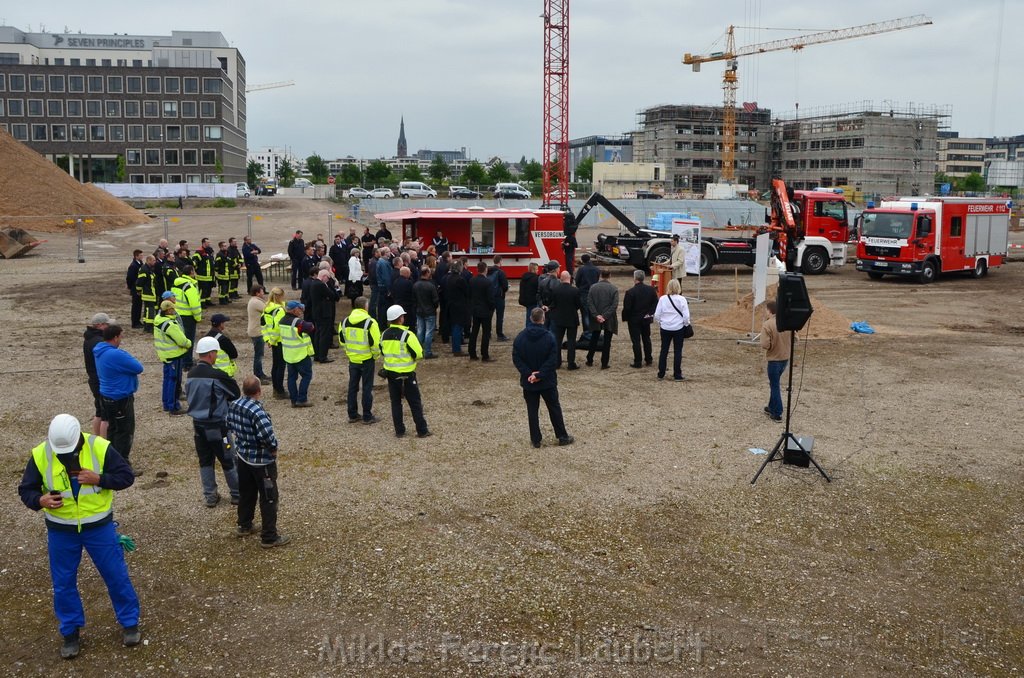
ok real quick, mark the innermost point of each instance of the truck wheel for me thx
(659, 254)
(707, 259)
(875, 275)
(980, 269)
(927, 272)
(815, 261)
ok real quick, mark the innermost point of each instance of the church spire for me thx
(403, 150)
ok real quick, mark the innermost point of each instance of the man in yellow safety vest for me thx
(359, 335)
(297, 350)
(72, 478)
(171, 344)
(401, 350)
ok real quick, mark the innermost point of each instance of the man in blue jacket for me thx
(535, 354)
(72, 478)
(119, 372)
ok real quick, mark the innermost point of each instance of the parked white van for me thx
(511, 191)
(415, 189)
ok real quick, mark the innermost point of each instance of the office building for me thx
(132, 108)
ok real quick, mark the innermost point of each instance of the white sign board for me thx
(760, 278)
(688, 231)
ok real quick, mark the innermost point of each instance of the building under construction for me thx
(687, 140)
(867, 149)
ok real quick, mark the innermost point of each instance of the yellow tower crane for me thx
(731, 55)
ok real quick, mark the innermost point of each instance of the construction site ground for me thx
(642, 549)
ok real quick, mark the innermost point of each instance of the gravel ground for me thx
(642, 549)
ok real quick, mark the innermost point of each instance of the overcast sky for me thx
(469, 72)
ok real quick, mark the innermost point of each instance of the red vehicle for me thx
(520, 236)
(926, 236)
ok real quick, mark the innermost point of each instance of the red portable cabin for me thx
(926, 236)
(520, 236)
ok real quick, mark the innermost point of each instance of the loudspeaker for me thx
(794, 305)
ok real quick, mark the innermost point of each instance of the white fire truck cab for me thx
(925, 236)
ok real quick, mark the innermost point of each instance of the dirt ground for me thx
(642, 549)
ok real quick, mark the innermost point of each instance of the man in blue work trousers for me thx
(72, 478)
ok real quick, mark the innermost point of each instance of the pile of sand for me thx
(38, 196)
(824, 323)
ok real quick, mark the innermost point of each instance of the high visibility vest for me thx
(93, 503)
(186, 291)
(271, 317)
(360, 336)
(168, 338)
(144, 283)
(224, 361)
(234, 265)
(295, 347)
(394, 346)
(203, 266)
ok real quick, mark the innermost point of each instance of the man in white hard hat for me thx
(72, 478)
(401, 351)
(209, 392)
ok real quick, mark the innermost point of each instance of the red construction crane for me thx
(555, 163)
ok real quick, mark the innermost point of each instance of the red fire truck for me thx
(926, 236)
(520, 236)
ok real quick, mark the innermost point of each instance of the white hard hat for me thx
(64, 434)
(395, 312)
(207, 344)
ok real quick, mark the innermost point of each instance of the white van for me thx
(511, 191)
(415, 189)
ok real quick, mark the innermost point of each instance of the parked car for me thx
(463, 193)
(380, 193)
(242, 190)
(452, 189)
(642, 194)
(572, 194)
(511, 191)
(303, 183)
(358, 192)
(267, 187)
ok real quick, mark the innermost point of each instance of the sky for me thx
(469, 73)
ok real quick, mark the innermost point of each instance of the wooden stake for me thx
(736, 276)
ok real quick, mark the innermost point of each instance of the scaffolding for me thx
(941, 113)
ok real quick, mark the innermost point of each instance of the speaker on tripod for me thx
(794, 304)
(793, 310)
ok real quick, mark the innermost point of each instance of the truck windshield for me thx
(885, 225)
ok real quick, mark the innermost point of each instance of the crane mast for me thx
(730, 79)
(555, 162)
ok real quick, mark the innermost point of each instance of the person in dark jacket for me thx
(444, 262)
(425, 299)
(369, 247)
(93, 335)
(402, 294)
(309, 262)
(209, 392)
(251, 255)
(118, 372)
(499, 288)
(296, 251)
(546, 282)
(384, 270)
(457, 298)
(586, 276)
(222, 272)
(305, 297)
(536, 355)
(339, 254)
(528, 290)
(324, 296)
(130, 279)
(564, 306)
(638, 305)
(481, 307)
(69, 486)
(603, 306)
(569, 246)
(383, 234)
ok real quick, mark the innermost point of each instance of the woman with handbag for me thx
(673, 316)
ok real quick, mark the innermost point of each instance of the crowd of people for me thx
(402, 296)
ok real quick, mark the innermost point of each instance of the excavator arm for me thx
(785, 222)
(595, 199)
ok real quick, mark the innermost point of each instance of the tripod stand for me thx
(799, 448)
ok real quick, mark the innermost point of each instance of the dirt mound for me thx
(38, 196)
(825, 323)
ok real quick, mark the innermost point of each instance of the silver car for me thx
(382, 193)
(358, 192)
